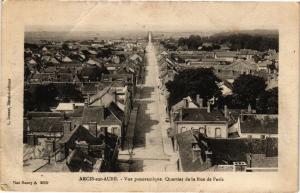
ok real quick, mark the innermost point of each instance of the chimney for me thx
(226, 111)
(180, 115)
(86, 104)
(116, 96)
(249, 108)
(186, 103)
(88, 99)
(208, 106)
(67, 127)
(199, 100)
(93, 128)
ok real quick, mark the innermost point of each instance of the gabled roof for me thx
(93, 114)
(201, 115)
(273, 83)
(181, 104)
(116, 111)
(32, 62)
(135, 57)
(99, 94)
(241, 66)
(102, 115)
(66, 59)
(46, 124)
(226, 54)
(164, 53)
(92, 62)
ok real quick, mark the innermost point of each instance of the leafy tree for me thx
(191, 82)
(192, 42)
(268, 102)
(45, 97)
(248, 88)
(93, 73)
(70, 93)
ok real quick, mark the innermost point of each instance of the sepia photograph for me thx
(151, 101)
(155, 96)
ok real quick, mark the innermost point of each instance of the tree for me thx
(45, 97)
(248, 88)
(93, 73)
(267, 102)
(192, 42)
(191, 82)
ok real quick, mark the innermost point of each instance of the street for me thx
(152, 148)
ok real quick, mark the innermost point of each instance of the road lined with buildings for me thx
(152, 148)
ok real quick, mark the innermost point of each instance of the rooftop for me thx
(201, 115)
(255, 123)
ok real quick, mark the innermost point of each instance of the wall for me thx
(210, 128)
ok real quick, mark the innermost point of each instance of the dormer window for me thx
(202, 130)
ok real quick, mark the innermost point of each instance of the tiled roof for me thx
(45, 114)
(93, 114)
(188, 163)
(99, 94)
(259, 124)
(197, 114)
(241, 66)
(226, 54)
(181, 104)
(46, 124)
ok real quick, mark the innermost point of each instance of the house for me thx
(272, 83)
(229, 56)
(136, 58)
(111, 94)
(68, 107)
(97, 118)
(83, 151)
(92, 62)
(209, 122)
(192, 157)
(66, 59)
(238, 155)
(257, 126)
(126, 79)
(264, 65)
(164, 53)
(41, 126)
(226, 87)
(246, 53)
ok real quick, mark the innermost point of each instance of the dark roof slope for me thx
(197, 114)
(116, 111)
(46, 124)
(184, 141)
(93, 114)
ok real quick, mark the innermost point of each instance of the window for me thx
(202, 130)
(183, 129)
(218, 132)
(115, 130)
(103, 129)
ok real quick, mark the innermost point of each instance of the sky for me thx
(151, 16)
